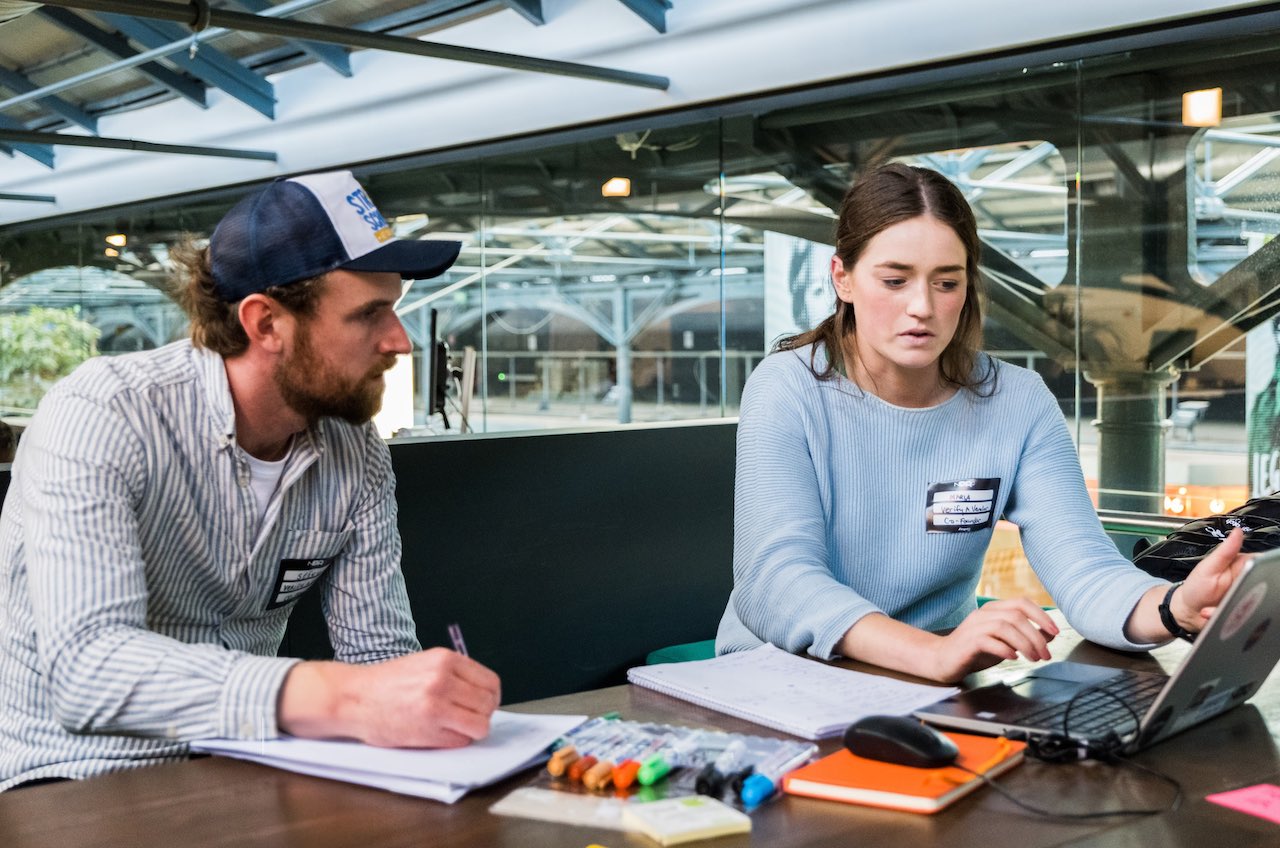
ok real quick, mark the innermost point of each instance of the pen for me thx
(455, 634)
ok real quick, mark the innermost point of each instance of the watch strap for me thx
(1166, 616)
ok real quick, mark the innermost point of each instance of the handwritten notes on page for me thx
(786, 692)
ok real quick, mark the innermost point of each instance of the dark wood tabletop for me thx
(222, 802)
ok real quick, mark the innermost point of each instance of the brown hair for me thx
(215, 323)
(888, 195)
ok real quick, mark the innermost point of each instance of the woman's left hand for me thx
(1198, 597)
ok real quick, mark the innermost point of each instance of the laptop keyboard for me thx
(1118, 704)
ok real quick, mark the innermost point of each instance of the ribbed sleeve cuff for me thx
(828, 635)
(247, 707)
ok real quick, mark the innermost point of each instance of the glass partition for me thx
(638, 272)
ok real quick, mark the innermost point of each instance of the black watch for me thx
(1166, 616)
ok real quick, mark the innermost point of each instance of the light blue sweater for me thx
(830, 504)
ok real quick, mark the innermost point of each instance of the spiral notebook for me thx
(786, 692)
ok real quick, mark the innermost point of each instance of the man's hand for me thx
(432, 699)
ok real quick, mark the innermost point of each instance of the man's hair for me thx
(885, 196)
(215, 323)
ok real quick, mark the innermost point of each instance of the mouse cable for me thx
(1061, 748)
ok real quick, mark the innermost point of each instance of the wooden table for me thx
(221, 802)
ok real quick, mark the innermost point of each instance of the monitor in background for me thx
(438, 374)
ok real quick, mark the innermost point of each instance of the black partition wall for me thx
(565, 557)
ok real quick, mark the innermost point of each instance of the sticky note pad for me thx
(675, 820)
(1262, 800)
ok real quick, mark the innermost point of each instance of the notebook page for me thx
(787, 692)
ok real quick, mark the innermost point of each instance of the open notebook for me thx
(794, 694)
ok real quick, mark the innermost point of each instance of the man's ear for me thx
(265, 322)
(842, 279)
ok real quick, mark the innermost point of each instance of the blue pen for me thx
(768, 774)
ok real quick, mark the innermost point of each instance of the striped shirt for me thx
(143, 599)
(845, 505)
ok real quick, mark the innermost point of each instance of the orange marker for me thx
(579, 767)
(561, 760)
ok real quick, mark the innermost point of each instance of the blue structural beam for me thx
(654, 12)
(42, 153)
(115, 45)
(531, 10)
(329, 54)
(209, 64)
(19, 84)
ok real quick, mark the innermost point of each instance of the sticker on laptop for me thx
(962, 506)
(295, 577)
(1243, 611)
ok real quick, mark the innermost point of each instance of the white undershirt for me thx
(264, 477)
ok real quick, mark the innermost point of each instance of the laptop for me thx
(1229, 660)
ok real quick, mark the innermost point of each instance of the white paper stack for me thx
(515, 741)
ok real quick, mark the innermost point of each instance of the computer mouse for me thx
(899, 739)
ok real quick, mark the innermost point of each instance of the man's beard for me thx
(315, 390)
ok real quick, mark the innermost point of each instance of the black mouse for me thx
(899, 739)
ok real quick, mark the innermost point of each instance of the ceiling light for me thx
(616, 187)
(111, 253)
(1202, 108)
(117, 240)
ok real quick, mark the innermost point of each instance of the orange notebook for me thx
(855, 780)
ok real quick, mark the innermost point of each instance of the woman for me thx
(876, 452)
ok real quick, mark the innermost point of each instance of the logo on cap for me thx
(369, 213)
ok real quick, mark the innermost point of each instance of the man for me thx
(167, 509)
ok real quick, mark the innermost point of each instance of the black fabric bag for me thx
(1175, 555)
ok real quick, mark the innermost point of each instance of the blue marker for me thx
(768, 774)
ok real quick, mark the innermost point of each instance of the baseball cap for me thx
(302, 227)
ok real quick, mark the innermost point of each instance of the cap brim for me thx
(412, 260)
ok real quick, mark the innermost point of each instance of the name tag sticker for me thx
(962, 506)
(294, 577)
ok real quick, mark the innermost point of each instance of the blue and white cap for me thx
(303, 227)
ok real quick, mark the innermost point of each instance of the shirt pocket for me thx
(305, 556)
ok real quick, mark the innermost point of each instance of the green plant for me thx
(37, 348)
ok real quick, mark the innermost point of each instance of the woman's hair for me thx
(215, 323)
(882, 197)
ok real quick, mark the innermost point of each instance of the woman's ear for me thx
(265, 322)
(842, 280)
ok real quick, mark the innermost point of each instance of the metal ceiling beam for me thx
(337, 58)
(288, 8)
(42, 153)
(654, 12)
(208, 63)
(19, 84)
(47, 138)
(368, 40)
(119, 47)
(33, 198)
(530, 10)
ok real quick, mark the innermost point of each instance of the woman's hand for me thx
(996, 631)
(1195, 600)
(999, 630)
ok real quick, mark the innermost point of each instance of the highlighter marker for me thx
(624, 773)
(579, 768)
(561, 760)
(713, 777)
(677, 755)
(758, 787)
